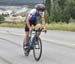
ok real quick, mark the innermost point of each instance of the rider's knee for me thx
(27, 34)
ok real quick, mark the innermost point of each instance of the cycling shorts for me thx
(31, 23)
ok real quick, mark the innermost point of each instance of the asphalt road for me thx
(11, 51)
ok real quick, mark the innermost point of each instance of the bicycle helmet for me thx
(40, 7)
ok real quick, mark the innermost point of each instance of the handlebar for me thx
(40, 30)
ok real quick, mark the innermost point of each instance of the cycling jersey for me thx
(33, 14)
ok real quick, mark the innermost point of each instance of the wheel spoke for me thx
(37, 49)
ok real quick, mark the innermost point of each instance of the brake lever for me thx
(45, 31)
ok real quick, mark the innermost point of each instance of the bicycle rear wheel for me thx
(37, 50)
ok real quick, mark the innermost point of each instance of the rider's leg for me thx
(26, 43)
(38, 25)
(39, 33)
(26, 34)
(26, 37)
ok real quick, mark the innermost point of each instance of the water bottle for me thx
(31, 40)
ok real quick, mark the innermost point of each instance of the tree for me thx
(65, 10)
(61, 10)
(1, 18)
(55, 12)
(48, 6)
(72, 8)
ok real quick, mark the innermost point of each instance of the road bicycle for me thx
(35, 44)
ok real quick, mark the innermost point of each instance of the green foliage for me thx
(47, 18)
(72, 20)
(55, 12)
(13, 24)
(72, 8)
(5, 15)
(1, 18)
(62, 26)
(61, 10)
(48, 6)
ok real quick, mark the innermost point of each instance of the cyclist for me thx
(31, 19)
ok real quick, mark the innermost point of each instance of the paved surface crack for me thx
(6, 61)
(11, 42)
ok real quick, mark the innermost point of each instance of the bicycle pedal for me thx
(31, 48)
(36, 46)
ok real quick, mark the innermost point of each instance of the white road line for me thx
(59, 42)
(49, 40)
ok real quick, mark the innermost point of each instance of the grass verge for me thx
(13, 24)
(61, 26)
(52, 26)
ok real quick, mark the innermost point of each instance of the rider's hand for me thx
(30, 29)
(45, 29)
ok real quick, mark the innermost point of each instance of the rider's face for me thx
(40, 12)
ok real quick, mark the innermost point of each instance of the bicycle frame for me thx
(31, 36)
(31, 42)
(34, 41)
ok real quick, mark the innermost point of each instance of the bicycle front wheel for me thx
(37, 50)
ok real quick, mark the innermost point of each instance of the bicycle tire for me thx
(39, 41)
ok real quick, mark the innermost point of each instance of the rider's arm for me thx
(43, 20)
(27, 21)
